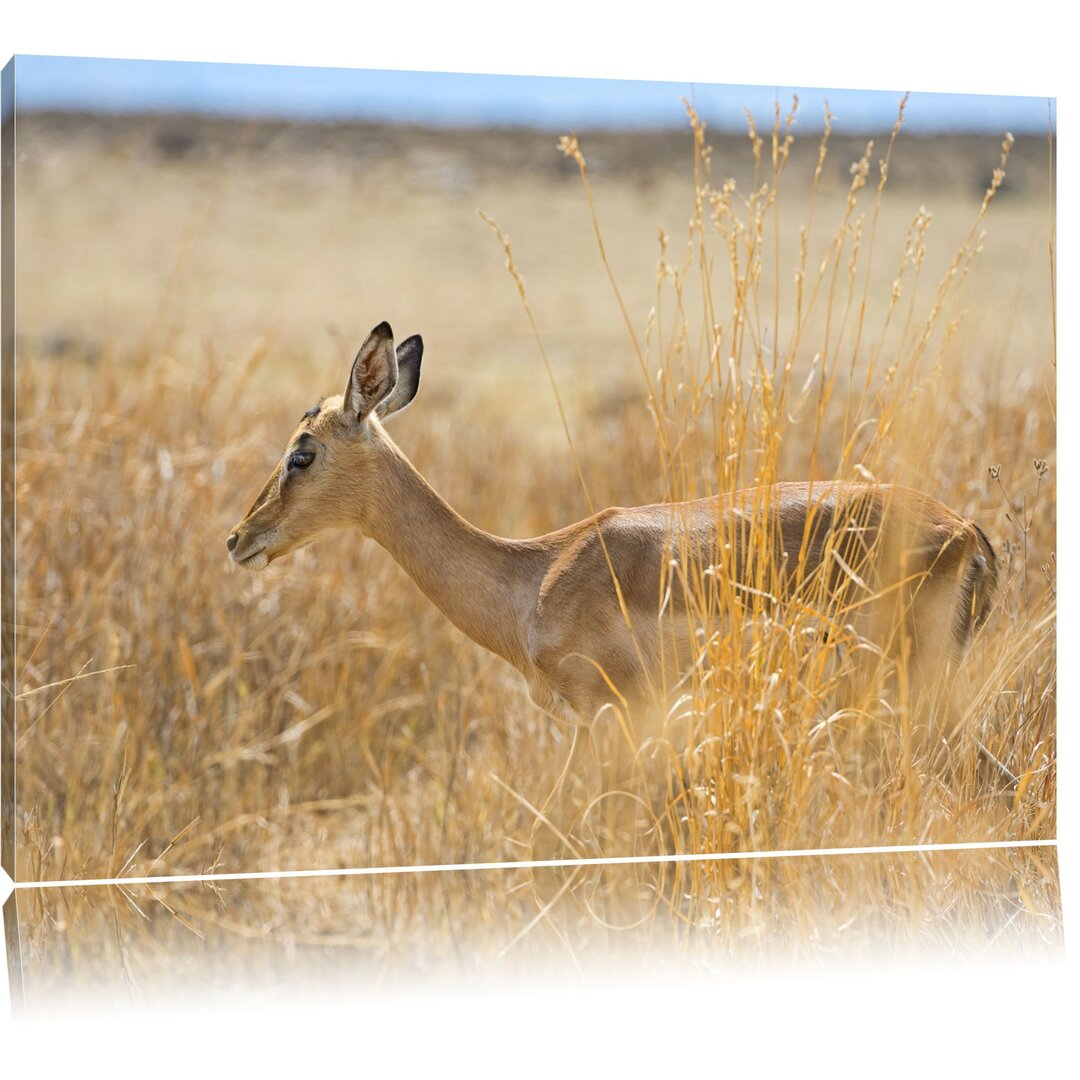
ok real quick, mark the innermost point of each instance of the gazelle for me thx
(582, 612)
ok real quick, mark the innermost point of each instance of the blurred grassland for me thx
(187, 288)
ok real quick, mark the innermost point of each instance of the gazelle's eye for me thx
(301, 459)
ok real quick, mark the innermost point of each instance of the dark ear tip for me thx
(382, 330)
(415, 342)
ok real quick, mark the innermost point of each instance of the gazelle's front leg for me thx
(553, 828)
(554, 834)
(600, 807)
(599, 772)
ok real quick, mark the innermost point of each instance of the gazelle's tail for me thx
(979, 586)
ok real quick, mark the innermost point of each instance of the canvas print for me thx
(637, 499)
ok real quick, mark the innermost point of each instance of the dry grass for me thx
(324, 714)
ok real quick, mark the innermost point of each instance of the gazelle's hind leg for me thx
(929, 658)
(906, 662)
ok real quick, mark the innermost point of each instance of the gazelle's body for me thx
(906, 570)
(889, 562)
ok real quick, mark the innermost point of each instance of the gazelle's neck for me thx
(481, 583)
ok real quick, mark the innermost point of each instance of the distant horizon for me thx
(446, 99)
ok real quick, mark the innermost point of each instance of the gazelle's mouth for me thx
(256, 561)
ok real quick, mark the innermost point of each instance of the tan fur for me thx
(893, 561)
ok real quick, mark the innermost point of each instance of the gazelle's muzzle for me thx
(250, 540)
(247, 549)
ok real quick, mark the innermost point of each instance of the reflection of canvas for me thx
(813, 307)
(329, 935)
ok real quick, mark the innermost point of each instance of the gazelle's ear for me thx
(374, 373)
(409, 354)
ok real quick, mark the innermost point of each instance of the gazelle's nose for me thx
(231, 542)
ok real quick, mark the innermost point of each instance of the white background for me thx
(931, 1022)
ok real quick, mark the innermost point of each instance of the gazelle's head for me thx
(325, 477)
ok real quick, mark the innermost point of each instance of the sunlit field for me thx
(684, 313)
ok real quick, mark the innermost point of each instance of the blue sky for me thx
(449, 99)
